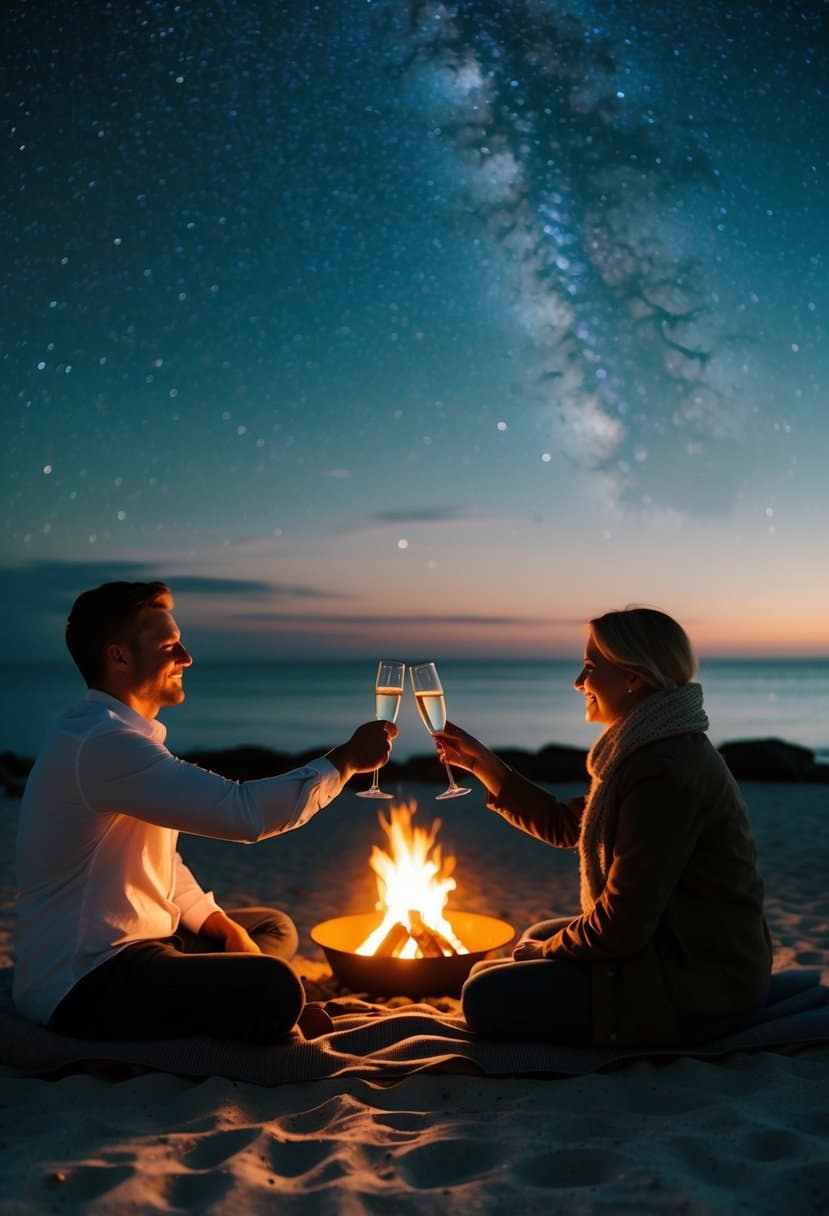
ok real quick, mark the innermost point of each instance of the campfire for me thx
(413, 883)
(412, 944)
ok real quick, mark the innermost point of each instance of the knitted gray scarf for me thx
(663, 714)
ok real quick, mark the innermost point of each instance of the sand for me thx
(747, 1133)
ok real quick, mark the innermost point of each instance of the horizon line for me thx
(772, 657)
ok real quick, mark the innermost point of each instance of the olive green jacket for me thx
(678, 933)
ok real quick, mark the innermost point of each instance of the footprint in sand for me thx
(570, 1167)
(291, 1158)
(444, 1163)
(715, 1163)
(214, 1149)
(197, 1192)
(774, 1144)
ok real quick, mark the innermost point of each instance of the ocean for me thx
(291, 706)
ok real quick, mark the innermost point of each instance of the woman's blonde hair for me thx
(646, 641)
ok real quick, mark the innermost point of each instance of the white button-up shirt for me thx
(97, 866)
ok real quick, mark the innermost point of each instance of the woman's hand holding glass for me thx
(456, 746)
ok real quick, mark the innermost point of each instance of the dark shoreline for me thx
(748, 759)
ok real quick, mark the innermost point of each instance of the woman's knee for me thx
(533, 1000)
(543, 929)
(480, 1001)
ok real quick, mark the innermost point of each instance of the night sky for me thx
(390, 327)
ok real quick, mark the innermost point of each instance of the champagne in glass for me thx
(431, 705)
(388, 691)
(432, 709)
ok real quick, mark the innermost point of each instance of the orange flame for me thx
(412, 876)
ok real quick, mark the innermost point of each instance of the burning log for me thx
(430, 943)
(394, 940)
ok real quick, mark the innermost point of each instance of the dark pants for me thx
(551, 999)
(543, 1000)
(178, 986)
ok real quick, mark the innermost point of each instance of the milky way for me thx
(588, 180)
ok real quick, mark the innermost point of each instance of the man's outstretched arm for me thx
(122, 771)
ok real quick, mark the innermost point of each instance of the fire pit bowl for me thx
(384, 976)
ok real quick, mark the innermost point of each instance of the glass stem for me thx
(451, 776)
(374, 782)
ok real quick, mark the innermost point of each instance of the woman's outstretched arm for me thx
(523, 804)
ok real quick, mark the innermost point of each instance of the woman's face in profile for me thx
(604, 686)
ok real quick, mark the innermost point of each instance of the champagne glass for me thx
(388, 690)
(431, 706)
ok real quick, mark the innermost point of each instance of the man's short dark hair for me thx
(105, 615)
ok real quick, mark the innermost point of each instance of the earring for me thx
(629, 691)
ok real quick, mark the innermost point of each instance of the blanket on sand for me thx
(371, 1042)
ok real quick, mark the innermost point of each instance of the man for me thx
(114, 938)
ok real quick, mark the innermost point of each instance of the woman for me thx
(671, 945)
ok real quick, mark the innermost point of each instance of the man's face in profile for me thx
(157, 660)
